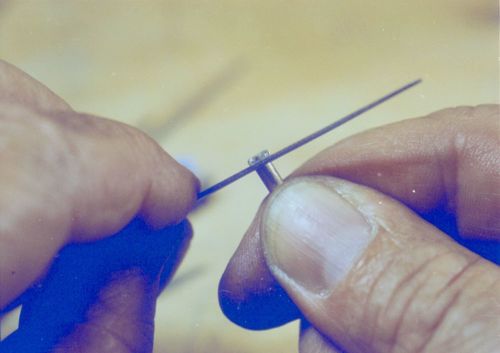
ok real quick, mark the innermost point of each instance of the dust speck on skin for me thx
(460, 141)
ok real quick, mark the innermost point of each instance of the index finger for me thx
(70, 177)
(448, 161)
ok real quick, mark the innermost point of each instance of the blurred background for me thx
(217, 81)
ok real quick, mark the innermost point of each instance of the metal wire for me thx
(305, 140)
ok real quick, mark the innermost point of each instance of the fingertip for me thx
(249, 295)
(172, 188)
(125, 173)
(172, 194)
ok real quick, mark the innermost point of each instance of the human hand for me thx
(364, 260)
(70, 180)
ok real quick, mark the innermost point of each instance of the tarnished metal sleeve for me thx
(267, 172)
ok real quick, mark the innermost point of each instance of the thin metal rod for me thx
(269, 176)
(305, 140)
(267, 172)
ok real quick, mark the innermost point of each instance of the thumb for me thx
(372, 276)
(101, 296)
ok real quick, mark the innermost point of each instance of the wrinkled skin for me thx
(414, 289)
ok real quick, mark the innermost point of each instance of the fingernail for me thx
(312, 235)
